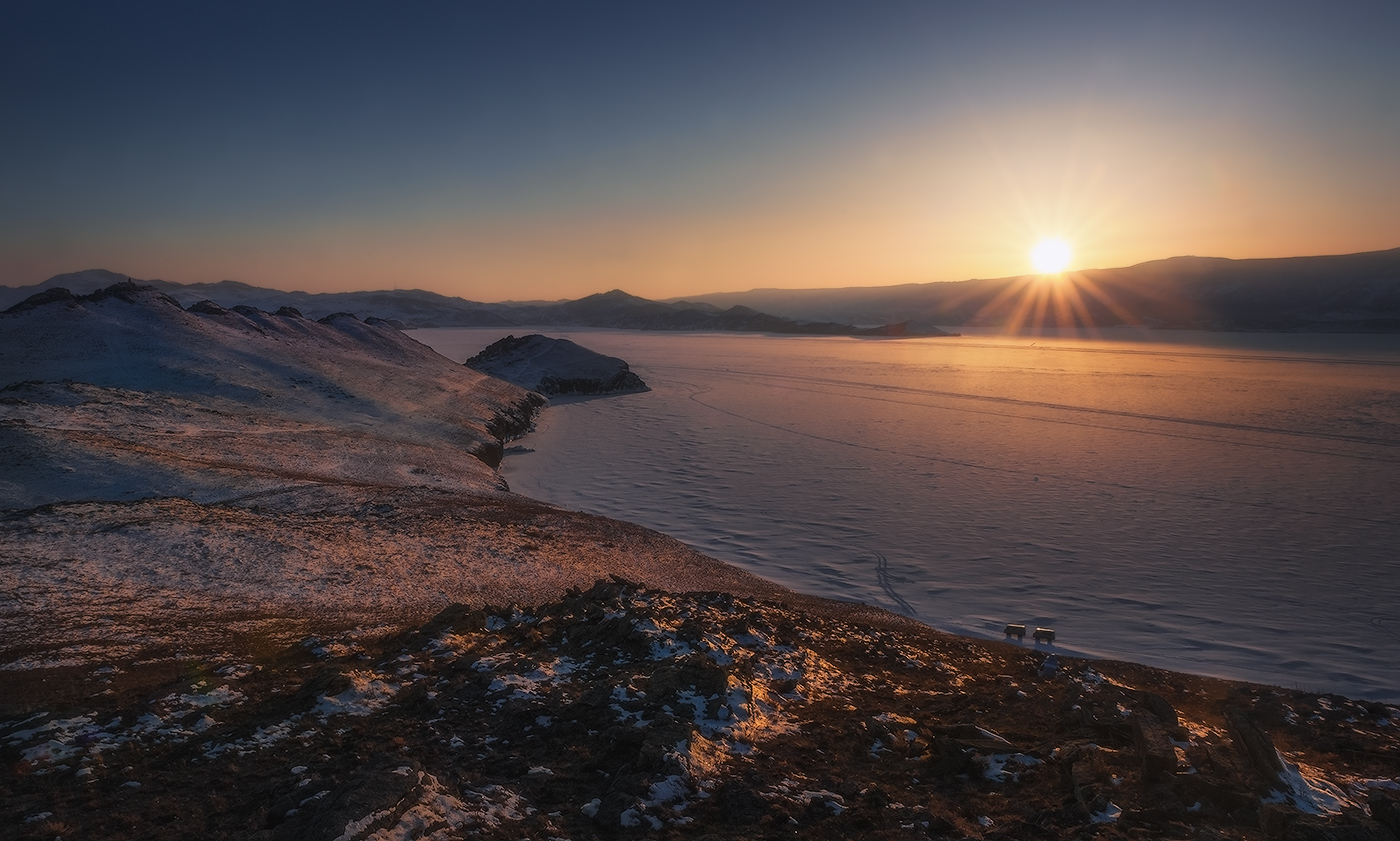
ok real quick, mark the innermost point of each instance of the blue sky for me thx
(544, 150)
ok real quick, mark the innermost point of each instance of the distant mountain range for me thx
(1352, 293)
(411, 307)
(1346, 294)
(416, 308)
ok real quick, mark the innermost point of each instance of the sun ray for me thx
(1017, 286)
(1079, 311)
(1088, 285)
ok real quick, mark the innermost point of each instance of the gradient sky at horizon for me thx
(532, 150)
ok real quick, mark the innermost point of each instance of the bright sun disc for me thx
(1050, 256)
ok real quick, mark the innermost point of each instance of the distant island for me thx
(555, 367)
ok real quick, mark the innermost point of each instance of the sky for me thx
(542, 150)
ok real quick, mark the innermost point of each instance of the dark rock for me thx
(1087, 778)
(383, 790)
(1255, 746)
(1154, 747)
(510, 422)
(129, 291)
(740, 803)
(39, 299)
(947, 758)
(696, 672)
(125, 291)
(1276, 818)
(208, 308)
(1214, 795)
(1386, 811)
(1162, 708)
(1316, 828)
(289, 312)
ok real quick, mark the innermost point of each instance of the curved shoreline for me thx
(768, 545)
(344, 657)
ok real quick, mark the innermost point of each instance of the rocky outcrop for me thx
(623, 711)
(39, 299)
(555, 366)
(511, 421)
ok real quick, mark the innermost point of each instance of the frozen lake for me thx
(1217, 503)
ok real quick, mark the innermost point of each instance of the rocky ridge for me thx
(624, 711)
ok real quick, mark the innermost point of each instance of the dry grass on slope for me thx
(155, 582)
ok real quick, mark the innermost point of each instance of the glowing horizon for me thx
(489, 153)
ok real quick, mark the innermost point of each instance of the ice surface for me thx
(1221, 504)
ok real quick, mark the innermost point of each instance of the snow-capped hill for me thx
(555, 366)
(124, 394)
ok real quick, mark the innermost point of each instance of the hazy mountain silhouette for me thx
(416, 308)
(1346, 293)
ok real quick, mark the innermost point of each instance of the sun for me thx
(1051, 255)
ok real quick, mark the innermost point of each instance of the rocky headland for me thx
(262, 581)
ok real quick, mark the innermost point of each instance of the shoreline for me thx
(354, 654)
(1057, 648)
(1173, 627)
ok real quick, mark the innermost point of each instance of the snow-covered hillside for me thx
(183, 480)
(123, 394)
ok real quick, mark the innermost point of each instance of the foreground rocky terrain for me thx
(623, 711)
